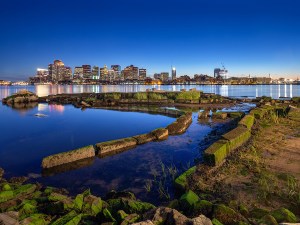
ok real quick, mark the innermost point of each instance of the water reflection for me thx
(274, 91)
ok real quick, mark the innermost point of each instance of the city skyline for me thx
(249, 37)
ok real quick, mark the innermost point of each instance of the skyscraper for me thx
(57, 71)
(95, 72)
(173, 73)
(142, 74)
(131, 73)
(117, 69)
(164, 76)
(78, 72)
(104, 73)
(87, 71)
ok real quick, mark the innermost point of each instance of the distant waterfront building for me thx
(87, 72)
(131, 73)
(142, 74)
(117, 69)
(173, 73)
(104, 73)
(68, 73)
(164, 76)
(157, 76)
(220, 73)
(42, 75)
(78, 72)
(95, 72)
(57, 71)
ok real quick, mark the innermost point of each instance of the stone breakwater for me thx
(216, 154)
(115, 146)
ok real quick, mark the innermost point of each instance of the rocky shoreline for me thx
(197, 204)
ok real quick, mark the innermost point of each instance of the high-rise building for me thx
(164, 76)
(173, 73)
(78, 72)
(157, 76)
(117, 69)
(68, 73)
(57, 71)
(95, 72)
(87, 71)
(142, 74)
(104, 73)
(131, 73)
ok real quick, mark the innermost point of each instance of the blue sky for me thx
(248, 37)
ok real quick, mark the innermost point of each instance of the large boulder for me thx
(227, 216)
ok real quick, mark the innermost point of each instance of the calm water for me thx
(25, 139)
(274, 91)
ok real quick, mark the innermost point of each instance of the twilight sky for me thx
(254, 37)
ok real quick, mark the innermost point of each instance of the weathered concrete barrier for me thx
(180, 125)
(160, 134)
(219, 115)
(68, 157)
(116, 145)
(215, 154)
(237, 137)
(247, 121)
(181, 181)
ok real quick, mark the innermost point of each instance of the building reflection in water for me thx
(58, 108)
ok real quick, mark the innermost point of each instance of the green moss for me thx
(258, 213)
(247, 121)
(156, 96)
(114, 95)
(78, 202)
(258, 113)
(35, 219)
(296, 99)
(174, 204)
(215, 154)
(189, 95)
(132, 206)
(76, 220)
(140, 96)
(188, 200)
(24, 189)
(226, 215)
(181, 181)
(107, 215)
(284, 215)
(66, 218)
(243, 210)
(236, 115)
(216, 222)
(121, 215)
(6, 195)
(92, 205)
(54, 197)
(268, 220)
(237, 137)
(6, 187)
(203, 207)
(27, 210)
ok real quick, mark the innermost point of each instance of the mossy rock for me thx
(115, 205)
(78, 202)
(258, 213)
(160, 134)
(132, 206)
(216, 222)
(268, 220)
(26, 210)
(72, 218)
(258, 113)
(121, 215)
(236, 138)
(284, 215)
(247, 121)
(25, 190)
(174, 204)
(243, 210)
(55, 197)
(215, 154)
(203, 207)
(188, 200)
(107, 215)
(35, 219)
(236, 115)
(130, 219)
(92, 205)
(52, 208)
(6, 195)
(6, 187)
(226, 215)
(181, 182)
